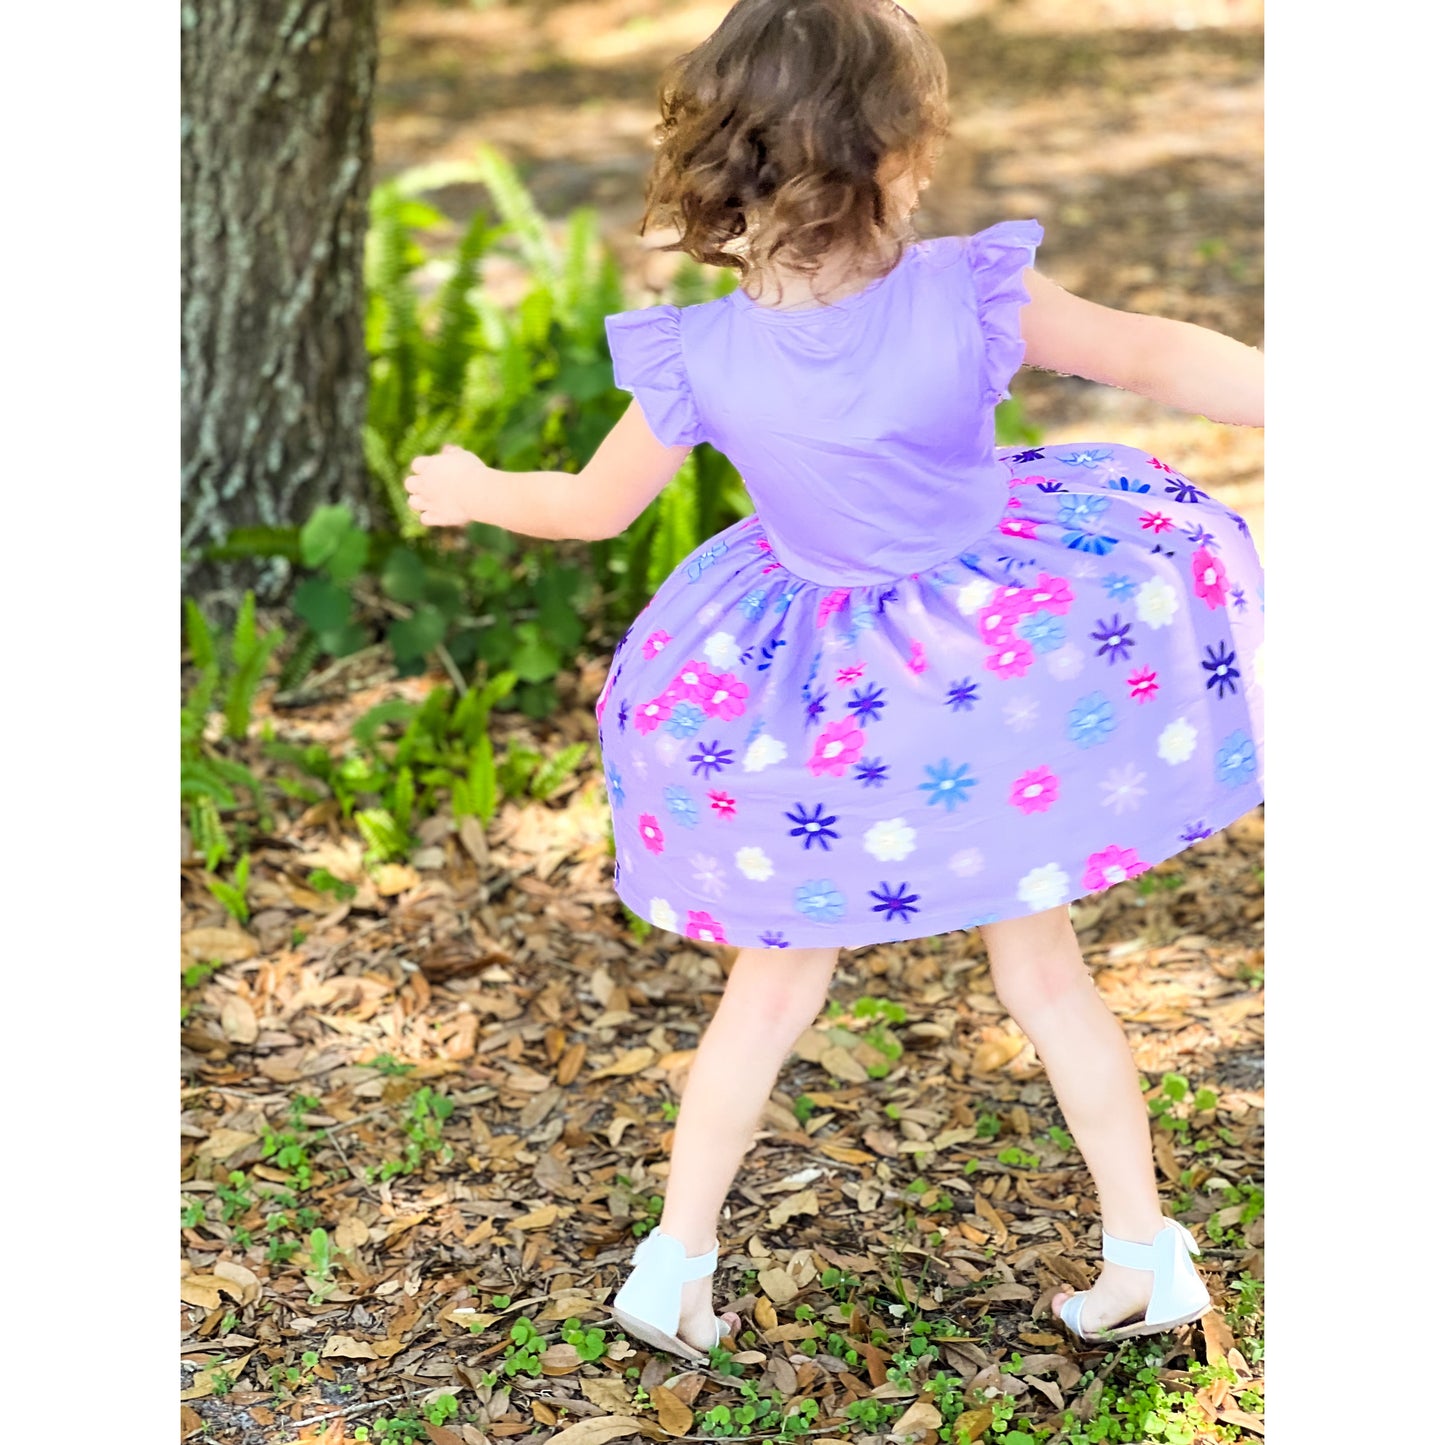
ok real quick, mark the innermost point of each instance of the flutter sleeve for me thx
(647, 360)
(997, 258)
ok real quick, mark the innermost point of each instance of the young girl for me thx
(930, 685)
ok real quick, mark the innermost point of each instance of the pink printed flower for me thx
(656, 641)
(704, 927)
(646, 717)
(1013, 659)
(1112, 866)
(1156, 522)
(1053, 594)
(1160, 466)
(917, 661)
(723, 805)
(693, 682)
(833, 602)
(1013, 502)
(763, 544)
(602, 700)
(1036, 792)
(1019, 527)
(1210, 581)
(1143, 684)
(1010, 602)
(726, 696)
(851, 673)
(838, 745)
(771, 567)
(996, 625)
(1026, 481)
(651, 833)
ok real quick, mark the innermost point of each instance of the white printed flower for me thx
(1021, 713)
(709, 876)
(1123, 789)
(1177, 741)
(972, 595)
(1045, 887)
(663, 914)
(966, 863)
(890, 840)
(1064, 662)
(754, 863)
(709, 612)
(722, 650)
(668, 747)
(639, 766)
(763, 752)
(1156, 603)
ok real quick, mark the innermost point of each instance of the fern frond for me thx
(518, 212)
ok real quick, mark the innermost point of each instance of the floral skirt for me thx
(1072, 699)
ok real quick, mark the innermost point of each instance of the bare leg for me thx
(772, 996)
(1042, 980)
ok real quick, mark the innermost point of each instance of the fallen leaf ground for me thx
(497, 973)
(463, 1073)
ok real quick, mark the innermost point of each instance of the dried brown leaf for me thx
(674, 1416)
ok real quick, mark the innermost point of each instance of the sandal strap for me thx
(1129, 1255)
(672, 1249)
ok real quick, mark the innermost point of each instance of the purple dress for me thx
(931, 683)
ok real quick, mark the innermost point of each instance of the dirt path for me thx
(1131, 128)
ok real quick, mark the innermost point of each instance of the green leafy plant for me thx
(226, 671)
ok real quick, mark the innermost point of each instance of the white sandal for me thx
(1179, 1296)
(649, 1304)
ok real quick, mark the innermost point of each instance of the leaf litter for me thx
(413, 1119)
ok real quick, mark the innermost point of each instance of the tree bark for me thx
(275, 181)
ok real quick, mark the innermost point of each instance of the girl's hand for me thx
(444, 489)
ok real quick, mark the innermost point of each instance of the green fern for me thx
(249, 655)
(385, 839)
(556, 770)
(457, 323)
(518, 213)
(208, 836)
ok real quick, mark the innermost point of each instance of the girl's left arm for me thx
(454, 487)
(1174, 362)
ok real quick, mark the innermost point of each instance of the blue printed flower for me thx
(622, 713)
(815, 711)
(812, 827)
(963, 695)
(871, 772)
(894, 904)
(1091, 720)
(1196, 536)
(1124, 484)
(1234, 763)
(1238, 521)
(710, 758)
(866, 703)
(684, 721)
(1183, 491)
(786, 600)
(1238, 600)
(1090, 459)
(1119, 587)
(680, 806)
(885, 597)
(1050, 485)
(1029, 454)
(1195, 832)
(754, 604)
(1221, 669)
(772, 940)
(819, 900)
(614, 786)
(1042, 631)
(765, 657)
(1083, 510)
(1113, 639)
(946, 784)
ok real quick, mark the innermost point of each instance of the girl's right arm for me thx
(1174, 362)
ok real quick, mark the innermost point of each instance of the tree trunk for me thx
(275, 179)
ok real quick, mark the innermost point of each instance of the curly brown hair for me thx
(782, 131)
